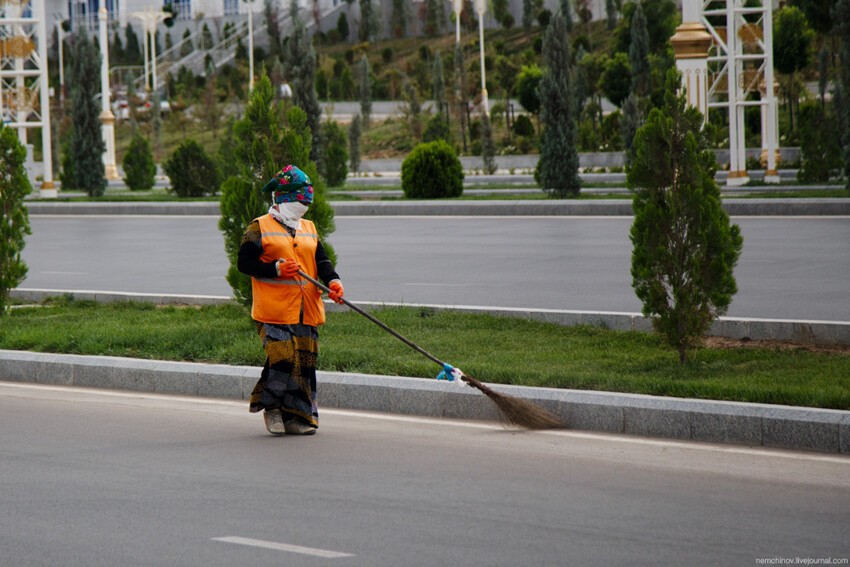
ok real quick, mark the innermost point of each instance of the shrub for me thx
(335, 164)
(437, 129)
(432, 171)
(14, 220)
(191, 171)
(684, 245)
(523, 126)
(821, 154)
(138, 164)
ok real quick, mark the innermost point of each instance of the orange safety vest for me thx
(279, 300)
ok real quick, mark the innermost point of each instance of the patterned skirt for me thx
(288, 380)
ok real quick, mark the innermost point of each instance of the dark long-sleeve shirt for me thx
(248, 258)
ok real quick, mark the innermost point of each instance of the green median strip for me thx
(500, 350)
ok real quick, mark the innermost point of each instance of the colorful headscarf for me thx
(290, 184)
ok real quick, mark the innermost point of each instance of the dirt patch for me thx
(727, 343)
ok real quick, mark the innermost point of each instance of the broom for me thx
(519, 412)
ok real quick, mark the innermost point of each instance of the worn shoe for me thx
(294, 427)
(274, 422)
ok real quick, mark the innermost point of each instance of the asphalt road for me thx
(108, 478)
(791, 267)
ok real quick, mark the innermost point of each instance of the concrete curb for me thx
(734, 423)
(548, 207)
(739, 328)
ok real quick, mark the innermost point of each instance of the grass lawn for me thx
(492, 349)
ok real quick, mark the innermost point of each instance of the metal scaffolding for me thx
(24, 91)
(740, 75)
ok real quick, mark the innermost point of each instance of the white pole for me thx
(60, 34)
(48, 189)
(458, 6)
(107, 119)
(481, 7)
(250, 46)
(771, 175)
(144, 20)
(153, 22)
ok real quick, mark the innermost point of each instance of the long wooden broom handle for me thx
(379, 323)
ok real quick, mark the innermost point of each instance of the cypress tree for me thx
(567, 14)
(365, 28)
(841, 17)
(301, 60)
(431, 25)
(488, 149)
(186, 48)
(86, 142)
(132, 51)
(14, 219)
(263, 142)
(629, 124)
(611, 14)
(139, 167)
(527, 14)
(557, 170)
(365, 91)
(684, 246)
(398, 18)
(639, 53)
(439, 84)
(354, 144)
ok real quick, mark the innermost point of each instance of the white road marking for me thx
(283, 547)
(423, 284)
(66, 273)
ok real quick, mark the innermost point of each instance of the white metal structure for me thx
(740, 64)
(24, 94)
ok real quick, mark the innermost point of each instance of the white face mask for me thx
(289, 213)
(292, 211)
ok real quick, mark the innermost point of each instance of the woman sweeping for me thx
(286, 308)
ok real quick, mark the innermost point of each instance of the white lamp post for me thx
(107, 119)
(458, 8)
(150, 19)
(481, 7)
(250, 45)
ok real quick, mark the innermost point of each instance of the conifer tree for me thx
(365, 91)
(611, 14)
(439, 84)
(86, 147)
(301, 60)
(557, 170)
(354, 133)
(527, 14)
(263, 142)
(567, 14)
(684, 246)
(14, 219)
(488, 148)
(639, 53)
(398, 18)
(132, 51)
(139, 167)
(841, 17)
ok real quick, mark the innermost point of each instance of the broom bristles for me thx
(519, 412)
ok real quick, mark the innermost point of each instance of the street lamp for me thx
(107, 119)
(150, 19)
(481, 7)
(458, 8)
(250, 45)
